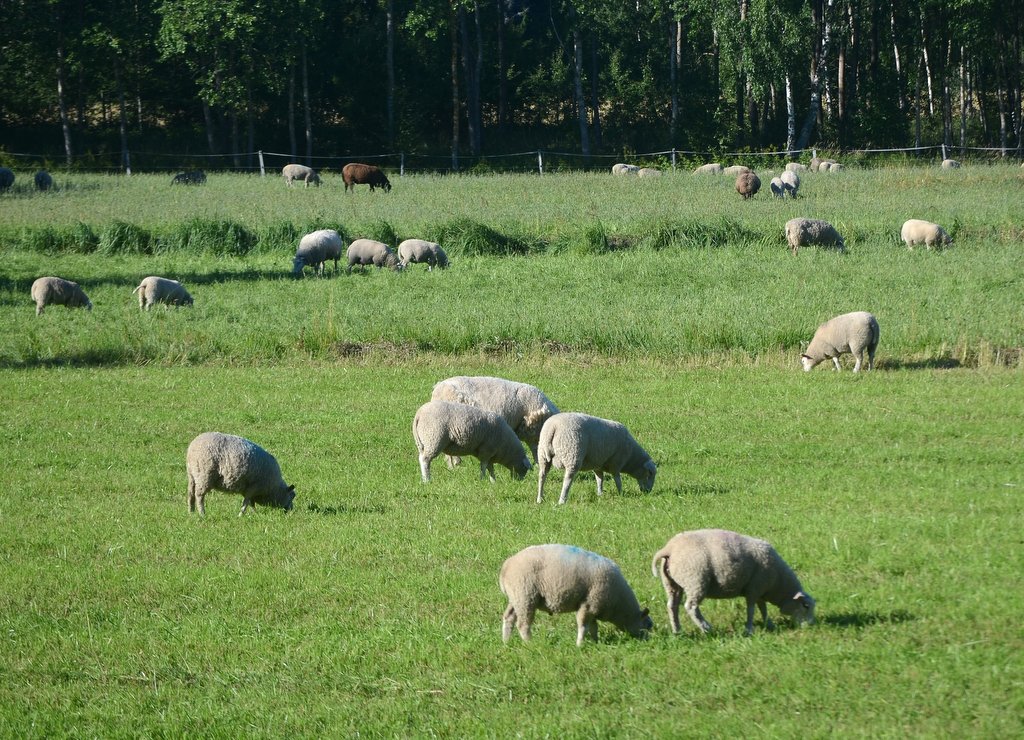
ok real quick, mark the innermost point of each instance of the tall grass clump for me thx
(379, 230)
(465, 237)
(222, 238)
(121, 237)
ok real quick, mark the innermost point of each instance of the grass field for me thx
(373, 608)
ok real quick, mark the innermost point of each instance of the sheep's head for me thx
(646, 476)
(807, 362)
(297, 264)
(521, 467)
(642, 625)
(285, 498)
(800, 608)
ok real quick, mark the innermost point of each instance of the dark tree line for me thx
(493, 76)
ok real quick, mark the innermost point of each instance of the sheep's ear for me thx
(291, 488)
(807, 356)
(804, 600)
(645, 612)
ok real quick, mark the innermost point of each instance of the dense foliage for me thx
(311, 78)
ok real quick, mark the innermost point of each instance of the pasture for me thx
(373, 608)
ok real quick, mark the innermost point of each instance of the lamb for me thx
(916, 231)
(648, 172)
(578, 442)
(804, 232)
(234, 465)
(790, 182)
(950, 164)
(192, 177)
(300, 172)
(422, 251)
(747, 185)
(796, 167)
(717, 564)
(6, 179)
(709, 169)
(43, 181)
(153, 290)
(851, 332)
(523, 406)
(458, 429)
(370, 252)
(364, 174)
(778, 187)
(315, 248)
(57, 291)
(625, 169)
(563, 578)
(736, 170)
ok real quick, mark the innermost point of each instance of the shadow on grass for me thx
(932, 363)
(868, 619)
(315, 508)
(87, 359)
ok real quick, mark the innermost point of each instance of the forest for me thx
(86, 81)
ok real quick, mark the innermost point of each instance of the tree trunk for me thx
(390, 60)
(211, 128)
(927, 68)
(896, 56)
(292, 140)
(673, 120)
(471, 69)
(236, 161)
(817, 46)
(502, 74)
(581, 103)
(123, 116)
(790, 117)
(963, 102)
(306, 106)
(62, 103)
(595, 100)
(453, 37)
(947, 99)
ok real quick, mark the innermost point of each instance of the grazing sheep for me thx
(364, 174)
(300, 172)
(523, 406)
(916, 231)
(576, 442)
(709, 169)
(790, 182)
(420, 250)
(796, 167)
(778, 187)
(830, 166)
(563, 578)
(804, 232)
(625, 169)
(6, 179)
(234, 465)
(43, 181)
(950, 164)
(747, 185)
(717, 564)
(815, 164)
(457, 429)
(370, 252)
(153, 290)
(55, 291)
(851, 332)
(649, 172)
(315, 248)
(192, 177)
(736, 170)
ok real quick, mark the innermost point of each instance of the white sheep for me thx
(796, 167)
(315, 248)
(717, 564)
(625, 169)
(370, 252)
(576, 442)
(422, 251)
(563, 578)
(852, 332)
(523, 406)
(778, 187)
(790, 182)
(6, 179)
(649, 172)
(55, 291)
(712, 168)
(831, 167)
(153, 290)
(458, 429)
(43, 181)
(804, 232)
(736, 170)
(235, 465)
(916, 231)
(950, 164)
(300, 172)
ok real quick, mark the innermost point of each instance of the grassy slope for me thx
(374, 606)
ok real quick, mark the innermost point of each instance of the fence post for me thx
(944, 150)
(263, 170)
(814, 153)
(401, 165)
(673, 158)
(127, 163)
(540, 162)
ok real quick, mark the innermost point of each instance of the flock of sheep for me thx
(42, 180)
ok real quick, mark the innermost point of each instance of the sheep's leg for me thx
(751, 602)
(600, 482)
(425, 468)
(871, 356)
(858, 359)
(452, 461)
(246, 503)
(490, 471)
(618, 482)
(764, 615)
(201, 501)
(835, 361)
(525, 619)
(542, 473)
(674, 596)
(570, 473)
(508, 623)
(586, 625)
(693, 609)
(191, 494)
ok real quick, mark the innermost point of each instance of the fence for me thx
(539, 161)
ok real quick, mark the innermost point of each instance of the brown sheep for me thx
(747, 185)
(364, 174)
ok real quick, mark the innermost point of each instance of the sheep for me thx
(830, 166)
(523, 406)
(575, 442)
(153, 290)
(851, 332)
(625, 169)
(234, 465)
(420, 250)
(916, 231)
(778, 187)
(717, 564)
(370, 252)
(364, 174)
(950, 164)
(459, 429)
(300, 172)
(649, 172)
(709, 169)
(815, 164)
(790, 182)
(803, 232)
(192, 177)
(796, 167)
(747, 185)
(57, 291)
(315, 248)
(6, 179)
(563, 578)
(735, 170)
(43, 181)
